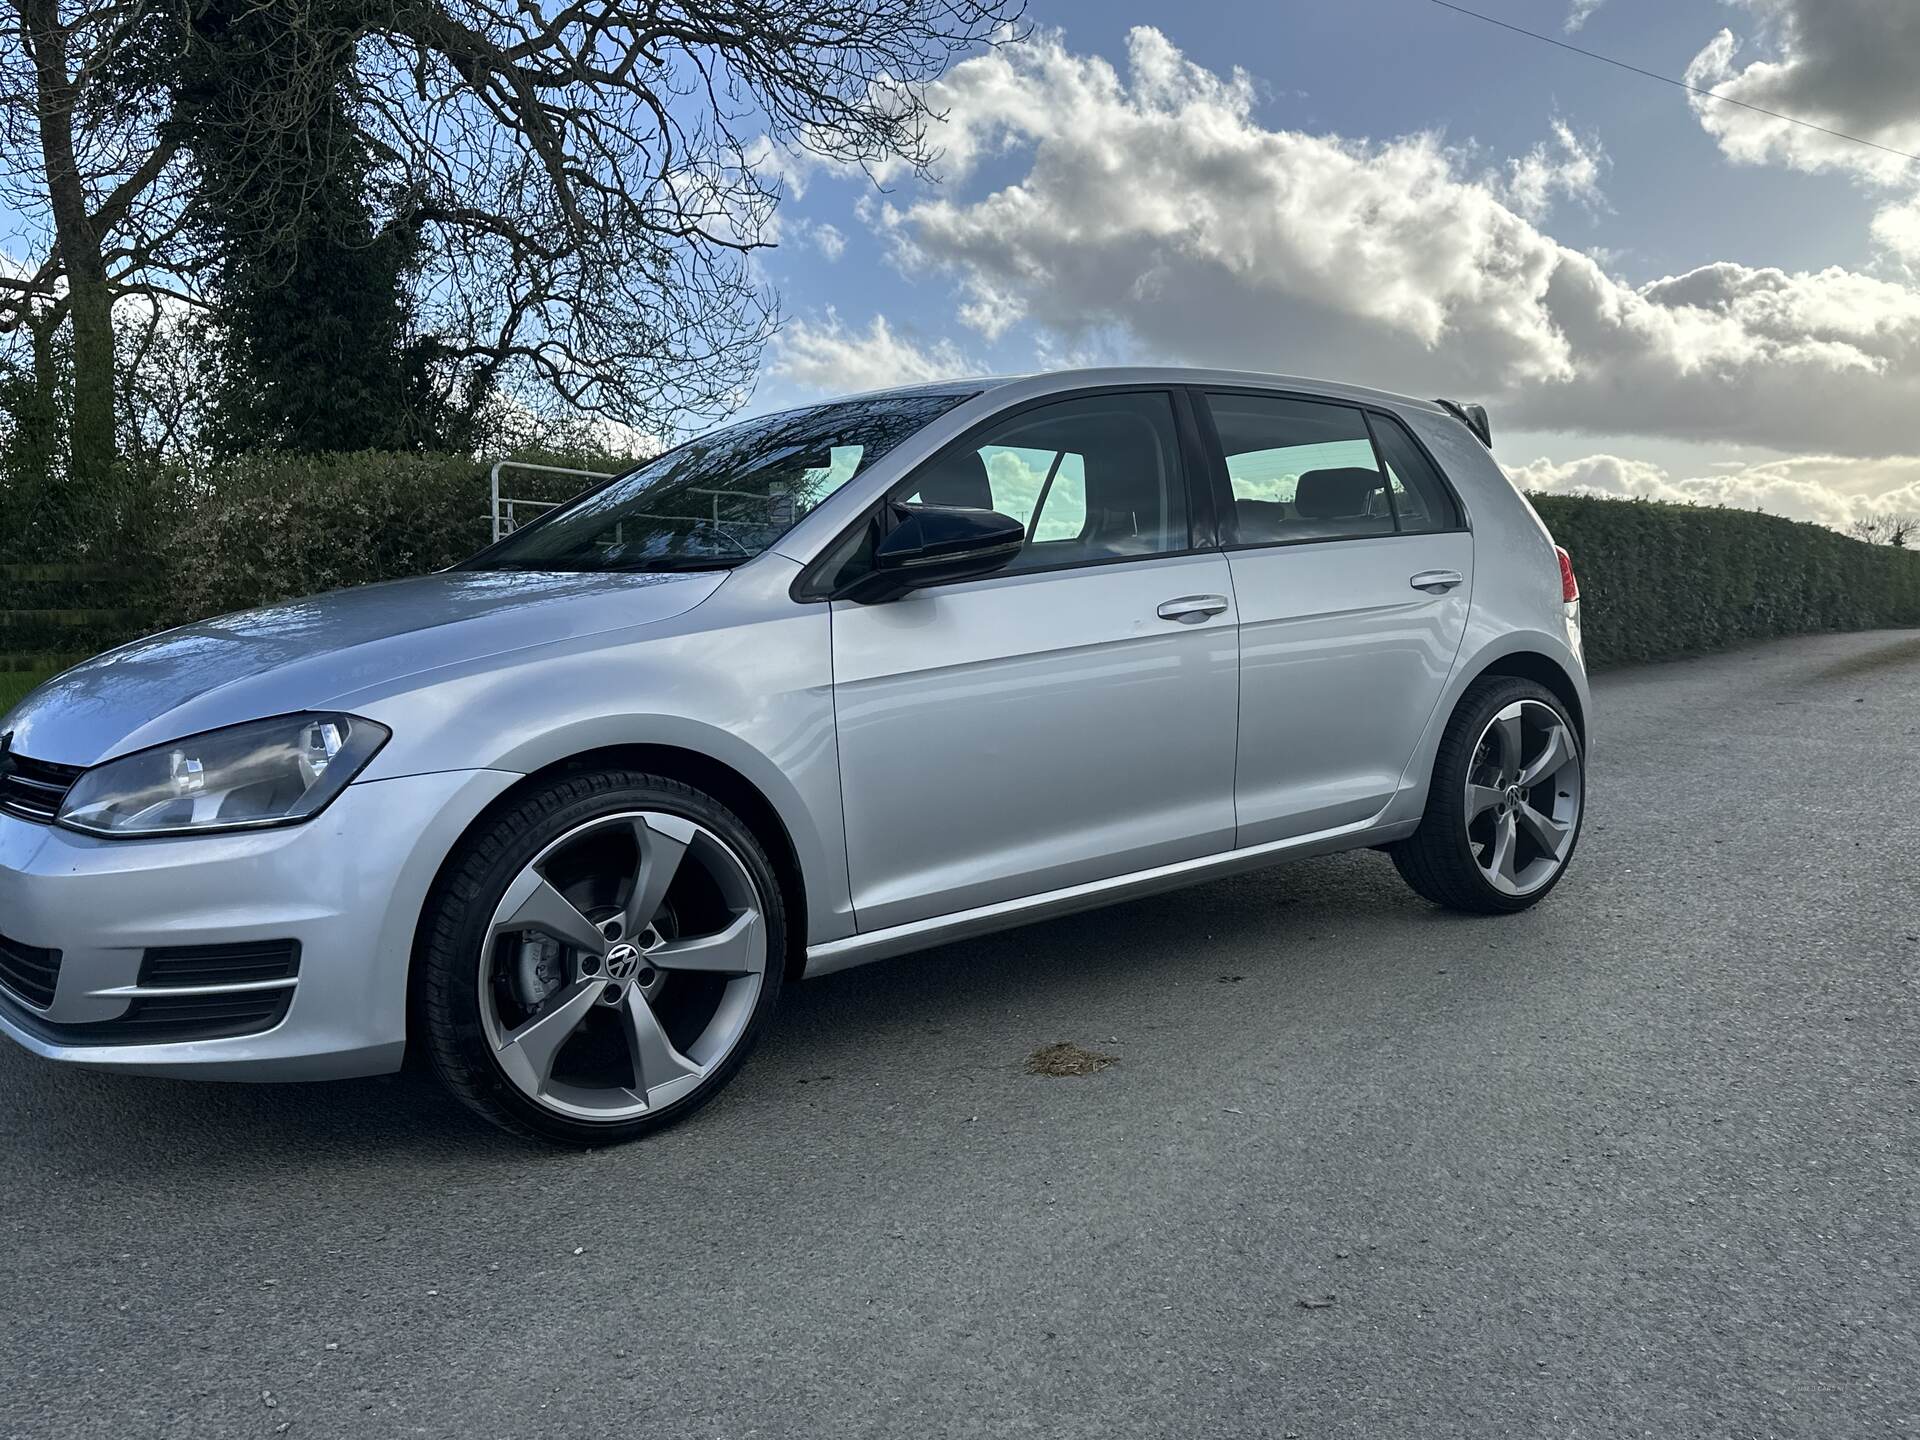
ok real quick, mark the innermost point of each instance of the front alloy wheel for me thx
(603, 1000)
(610, 965)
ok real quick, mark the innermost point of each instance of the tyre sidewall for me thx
(455, 949)
(1472, 719)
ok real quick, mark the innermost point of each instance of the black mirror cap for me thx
(927, 535)
(1474, 417)
(931, 543)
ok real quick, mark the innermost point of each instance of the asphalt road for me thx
(1644, 1161)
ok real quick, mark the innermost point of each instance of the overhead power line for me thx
(1682, 84)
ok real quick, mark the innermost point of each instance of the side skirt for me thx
(832, 955)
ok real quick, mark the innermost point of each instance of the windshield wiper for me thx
(666, 563)
(640, 565)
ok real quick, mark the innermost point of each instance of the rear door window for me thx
(1311, 470)
(1300, 470)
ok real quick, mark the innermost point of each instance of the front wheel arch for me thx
(690, 767)
(730, 788)
(570, 809)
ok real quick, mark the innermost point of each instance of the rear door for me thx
(1068, 719)
(1353, 571)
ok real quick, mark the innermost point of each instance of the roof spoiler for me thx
(1474, 417)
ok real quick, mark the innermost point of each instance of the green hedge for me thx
(265, 528)
(1660, 580)
(166, 544)
(270, 527)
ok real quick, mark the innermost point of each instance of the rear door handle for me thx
(1192, 609)
(1436, 582)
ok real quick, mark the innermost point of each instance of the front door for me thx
(1069, 719)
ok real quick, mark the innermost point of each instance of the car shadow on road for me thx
(1279, 918)
(1884, 657)
(1272, 921)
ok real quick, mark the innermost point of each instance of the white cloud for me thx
(1155, 207)
(1830, 490)
(1569, 166)
(1845, 64)
(829, 240)
(1897, 229)
(1579, 12)
(790, 169)
(826, 357)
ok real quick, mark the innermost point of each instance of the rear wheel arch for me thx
(1506, 788)
(1543, 670)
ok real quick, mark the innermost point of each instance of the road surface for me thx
(1644, 1161)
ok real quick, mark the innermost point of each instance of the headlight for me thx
(266, 772)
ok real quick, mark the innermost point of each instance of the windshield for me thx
(720, 500)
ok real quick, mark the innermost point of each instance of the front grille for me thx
(29, 972)
(241, 964)
(33, 789)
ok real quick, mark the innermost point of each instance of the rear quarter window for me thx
(1421, 498)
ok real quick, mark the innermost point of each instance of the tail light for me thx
(1569, 587)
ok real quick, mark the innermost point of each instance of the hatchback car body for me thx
(815, 689)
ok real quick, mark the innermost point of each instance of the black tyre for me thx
(1504, 810)
(600, 958)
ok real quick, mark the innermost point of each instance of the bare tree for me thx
(89, 163)
(1888, 529)
(579, 186)
(589, 178)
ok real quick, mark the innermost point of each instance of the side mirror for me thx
(932, 543)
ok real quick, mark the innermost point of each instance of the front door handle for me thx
(1436, 582)
(1192, 609)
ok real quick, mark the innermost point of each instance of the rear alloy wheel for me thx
(610, 971)
(1504, 811)
(1523, 797)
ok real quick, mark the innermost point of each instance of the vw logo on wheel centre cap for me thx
(623, 960)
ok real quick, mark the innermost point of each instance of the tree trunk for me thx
(313, 332)
(89, 298)
(37, 426)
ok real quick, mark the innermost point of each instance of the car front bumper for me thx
(346, 887)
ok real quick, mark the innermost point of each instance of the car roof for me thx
(1043, 381)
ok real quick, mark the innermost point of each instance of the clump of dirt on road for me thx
(1067, 1059)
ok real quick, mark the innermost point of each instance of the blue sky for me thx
(1654, 294)
(1666, 298)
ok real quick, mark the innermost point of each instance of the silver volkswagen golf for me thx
(811, 690)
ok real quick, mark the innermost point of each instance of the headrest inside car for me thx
(1336, 494)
